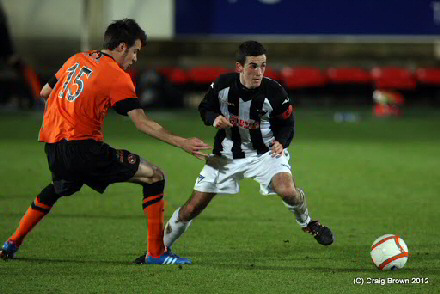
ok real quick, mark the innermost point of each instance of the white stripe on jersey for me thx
(266, 132)
(224, 103)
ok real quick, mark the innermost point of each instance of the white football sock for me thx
(300, 210)
(174, 229)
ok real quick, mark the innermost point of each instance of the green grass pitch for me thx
(363, 179)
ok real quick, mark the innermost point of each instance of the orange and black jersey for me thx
(84, 89)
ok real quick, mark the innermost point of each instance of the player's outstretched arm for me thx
(152, 128)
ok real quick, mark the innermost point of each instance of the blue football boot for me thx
(167, 258)
(8, 250)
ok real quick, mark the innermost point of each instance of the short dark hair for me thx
(249, 48)
(123, 31)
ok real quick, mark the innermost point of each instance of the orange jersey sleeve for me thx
(89, 84)
(122, 88)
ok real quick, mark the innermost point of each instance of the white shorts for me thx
(221, 175)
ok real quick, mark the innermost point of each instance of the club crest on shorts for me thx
(131, 159)
(199, 179)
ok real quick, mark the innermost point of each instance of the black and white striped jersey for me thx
(259, 116)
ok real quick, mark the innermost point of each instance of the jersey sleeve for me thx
(209, 108)
(122, 88)
(282, 104)
(282, 118)
(124, 106)
(52, 81)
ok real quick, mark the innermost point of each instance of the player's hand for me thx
(194, 145)
(222, 122)
(277, 149)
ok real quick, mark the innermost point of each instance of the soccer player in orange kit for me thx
(77, 100)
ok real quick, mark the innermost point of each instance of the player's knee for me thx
(148, 173)
(48, 195)
(286, 191)
(159, 175)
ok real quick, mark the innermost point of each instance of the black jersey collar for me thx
(105, 54)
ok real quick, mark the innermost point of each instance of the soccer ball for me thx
(389, 252)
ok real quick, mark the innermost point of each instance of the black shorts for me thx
(96, 164)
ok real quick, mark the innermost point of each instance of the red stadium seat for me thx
(165, 71)
(176, 75)
(349, 75)
(428, 76)
(272, 74)
(350, 85)
(302, 77)
(397, 78)
(205, 75)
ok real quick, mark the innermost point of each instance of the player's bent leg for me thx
(295, 200)
(196, 203)
(284, 186)
(154, 210)
(182, 217)
(39, 208)
(48, 196)
(154, 207)
(147, 173)
(152, 180)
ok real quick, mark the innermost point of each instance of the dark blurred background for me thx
(384, 54)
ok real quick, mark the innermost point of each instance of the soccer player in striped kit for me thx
(255, 121)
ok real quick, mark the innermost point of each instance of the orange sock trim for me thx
(151, 199)
(42, 205)
(154, 210)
